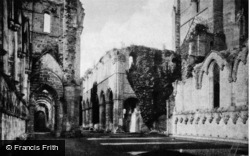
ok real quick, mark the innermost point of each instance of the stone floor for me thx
(94, 144)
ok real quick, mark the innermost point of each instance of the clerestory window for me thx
(47, 23)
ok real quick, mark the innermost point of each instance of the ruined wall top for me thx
(113, 62)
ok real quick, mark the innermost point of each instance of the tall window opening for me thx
(47, 22)
(198, 6)
(130, 61)
(216, 81)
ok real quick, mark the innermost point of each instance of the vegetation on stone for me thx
(151, 75)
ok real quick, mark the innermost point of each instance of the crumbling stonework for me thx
(40, 49)
(151, 76)
(211, 100)
(14, 69)
(55, 65)
(113, 89)
(109, 102)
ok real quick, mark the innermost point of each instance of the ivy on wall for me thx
(151, 76)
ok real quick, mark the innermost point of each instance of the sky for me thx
(112, 24)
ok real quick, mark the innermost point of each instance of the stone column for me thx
(108, 116)
(90, 117)
(52, 119)
(84, 118)
(117, 113)
(101, 109)
(120, 62)
(59, 118)
(87, 117)
(72, 101)
(31, 121)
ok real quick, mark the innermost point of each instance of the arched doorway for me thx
(45, 99)
(40, 122)
(132, 116)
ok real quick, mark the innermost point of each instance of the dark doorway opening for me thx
(216, 81)
(40, 122)
(129, 107)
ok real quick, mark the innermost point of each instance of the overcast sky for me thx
(112, 24)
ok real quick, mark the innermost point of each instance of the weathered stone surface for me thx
(210, 101)
(38, 68)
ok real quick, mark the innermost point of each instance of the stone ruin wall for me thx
(110, 75)
(194, 113)
(14, 69)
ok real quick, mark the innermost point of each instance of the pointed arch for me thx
(47, 78)
(221, 62)
(242, 57)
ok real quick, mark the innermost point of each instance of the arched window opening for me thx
(130, 61)
(216, 82)
(198, 6)
(46, 22)
(45, 91)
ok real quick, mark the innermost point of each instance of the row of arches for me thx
(45, 110)
(98, 110)
(47, 94)
(100, 113)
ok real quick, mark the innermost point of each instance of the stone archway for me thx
(45, 104)
(131, 115)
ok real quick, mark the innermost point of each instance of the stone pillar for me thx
(117, 113)
(108, 116)
(90, 117)
(118, 91)
(177, 27)
(101, 117)
(30, 127)
(59, 118)
(87, 117)
(52, 119)
(72, 101)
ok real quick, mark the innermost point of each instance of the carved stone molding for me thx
(244, 116)
(235, 117)
(226, 117)
(204, 120)
(176, 120)
(186, 120)
(181, 119)
(218, 118)
(210, 119)
(197, 120)
(191, 119)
